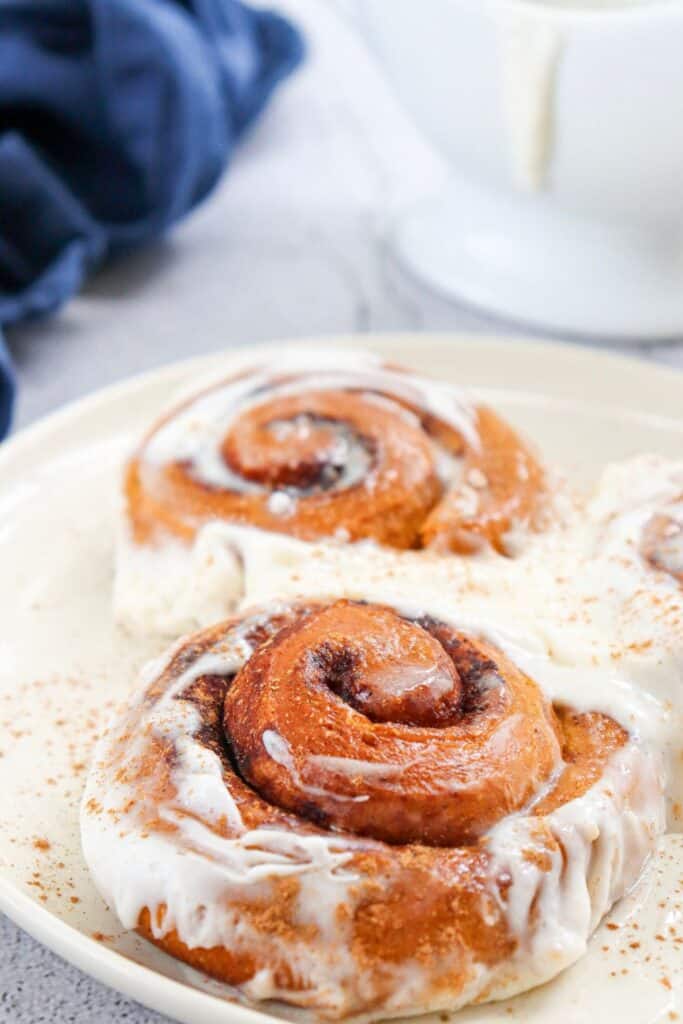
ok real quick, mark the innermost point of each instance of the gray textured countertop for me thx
(291, 245)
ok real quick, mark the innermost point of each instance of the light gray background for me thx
(292, 244)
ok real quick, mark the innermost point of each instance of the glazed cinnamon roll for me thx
(357, 810)
(337, 448)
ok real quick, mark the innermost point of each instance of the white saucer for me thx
(524, 260)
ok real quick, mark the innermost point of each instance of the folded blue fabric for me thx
(116, 118)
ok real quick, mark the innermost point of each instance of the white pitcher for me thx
(563, 126)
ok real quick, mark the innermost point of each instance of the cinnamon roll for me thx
(340, 448)
(358, 810)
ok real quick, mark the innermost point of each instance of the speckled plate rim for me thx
(530, 369)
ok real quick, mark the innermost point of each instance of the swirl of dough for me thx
(358, 811)
(354, 452)
(419, 709)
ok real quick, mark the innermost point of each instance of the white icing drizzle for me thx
(277, 748)
(398, 681)
(603, 840)
(354, 767)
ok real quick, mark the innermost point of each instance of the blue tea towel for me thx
(116, 118)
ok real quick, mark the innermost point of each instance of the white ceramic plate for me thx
(63, 663)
